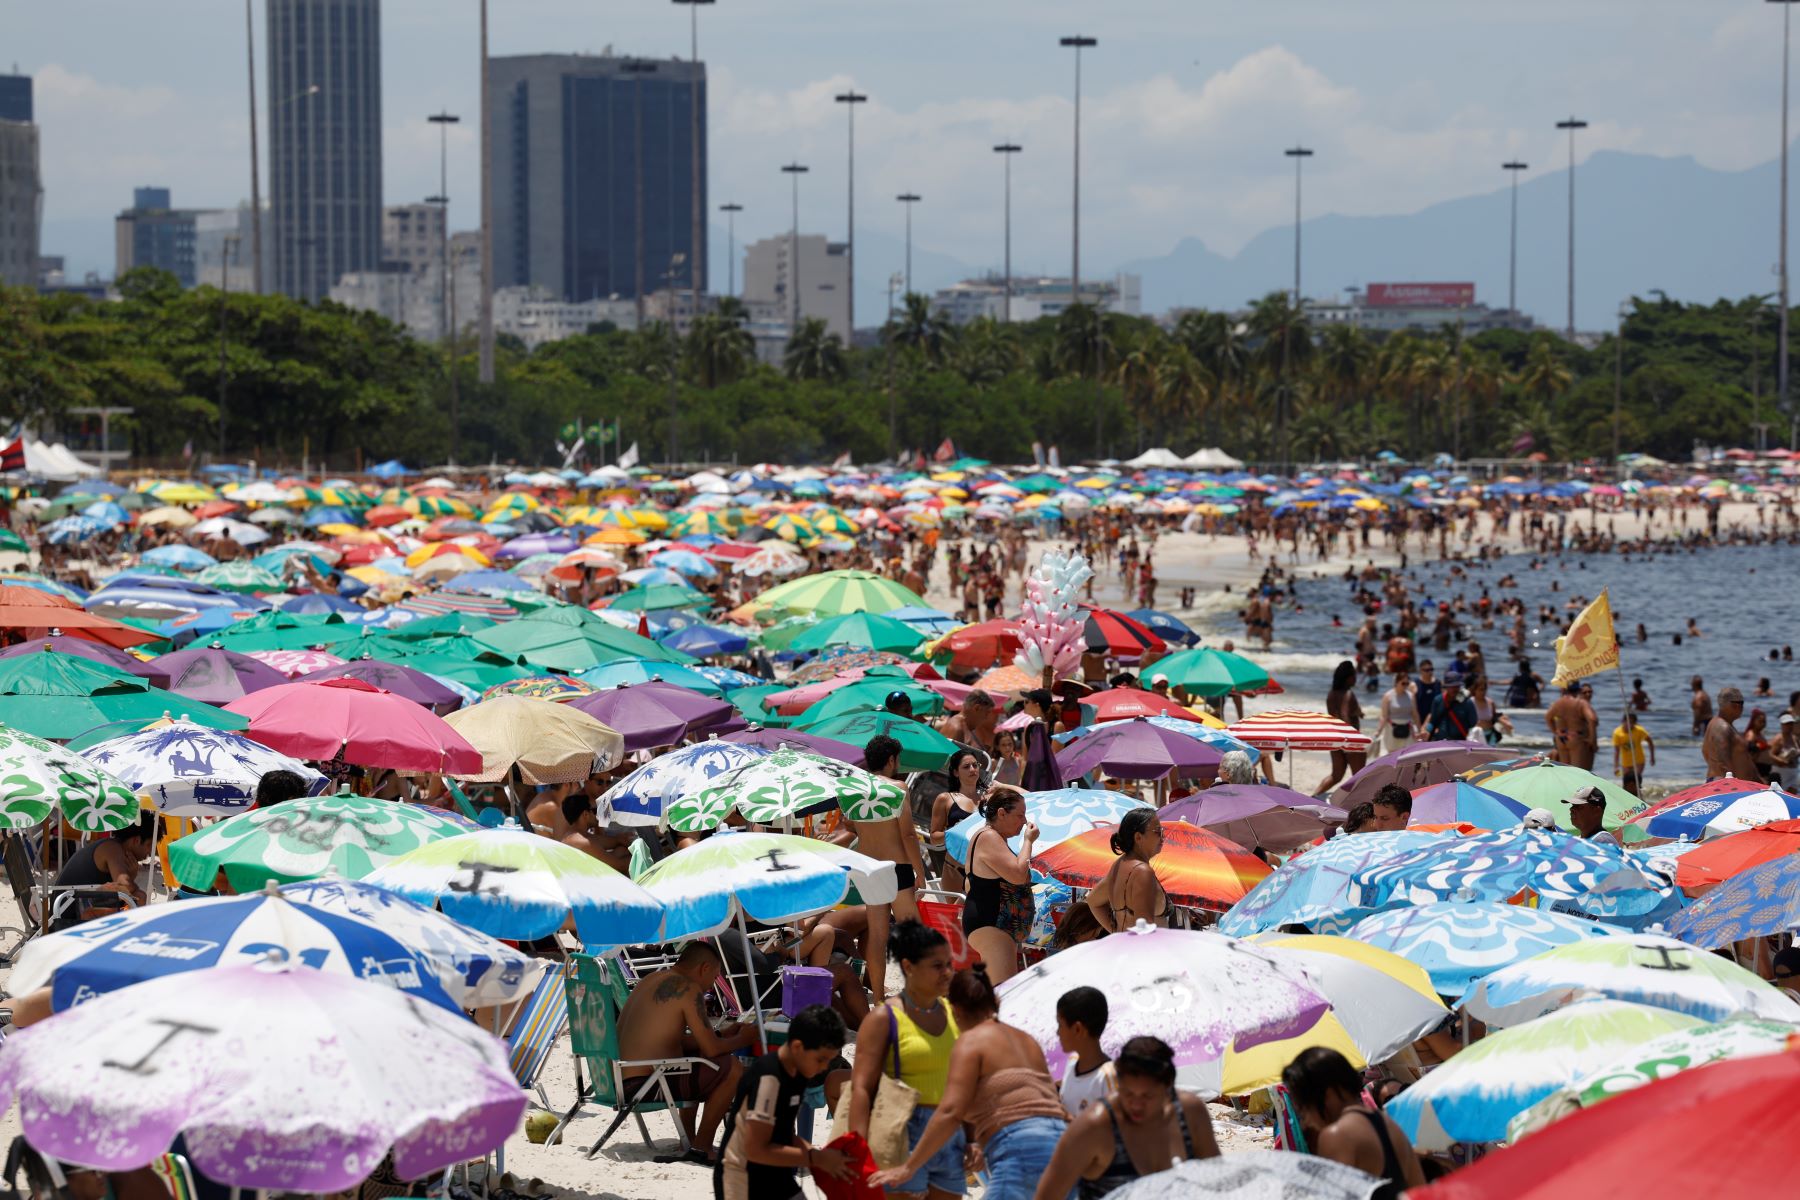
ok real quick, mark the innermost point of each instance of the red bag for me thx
(861, 1165)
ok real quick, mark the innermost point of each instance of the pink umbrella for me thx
(349, 721)
(795, 701)
(294, 663)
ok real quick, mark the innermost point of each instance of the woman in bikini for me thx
(1130, 892)
(953, 807)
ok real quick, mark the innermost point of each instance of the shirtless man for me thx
(611, 845)
(1723, 746)
(974, 725)
(663, 1019)
(1701, 703)
(1571, 725)
(548, 811)
(895, 840)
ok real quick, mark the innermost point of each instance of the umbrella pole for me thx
(762, 1034)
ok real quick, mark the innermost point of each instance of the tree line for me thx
(331, 384)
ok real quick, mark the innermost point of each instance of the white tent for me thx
(56, 463)
(1212, 458)
(1161, 456)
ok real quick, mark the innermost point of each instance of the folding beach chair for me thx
(943, 911)
(42, 903)
(540, 1021)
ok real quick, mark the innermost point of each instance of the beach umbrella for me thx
(1548, 785)
(1126, 703)
(1136, 749)
(980, 645)
(211, 1056)
(642, 797)
(775, 559)
(67, 531)
(398, 678)
(686, 562)
(215, 675)
(870, 694)
(1196, 868)
(1317, 889)
(1644, 968)
(1201, 726)
(1105, 631)
(624, 672)
(545, 742)
(1455, 801)
(240, 576)
(189, 770)
(776, 739)
(1251, 815)
(871, 631)
(1721, 858)
(833, 593)
(659, 596)
(922, 748)
(516, 884)
(768, 877)
(182, 558)
(173, 518)
(571, 640)
(38, 779)
(540, 687)
(292, 664)
(701, 640)
(106, 657)
(784, 786)
(278, 630)
(305, 838)
(653, 714)
(1418, 765)
(1167, 626)
(349, 721)
(1460, 943)
(37, 612)
(1659, 1058)
(1759, 902)
(1210, 673)
(1297, 729)
(1726, 813)
(1059, 816)
(1471, 1097)
(1254, 1175)
(1202, 993)
(61, 696)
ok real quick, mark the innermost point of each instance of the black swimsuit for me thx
(1394, 1179)
(1121, 1170)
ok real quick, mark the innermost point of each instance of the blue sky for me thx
(1186, 104)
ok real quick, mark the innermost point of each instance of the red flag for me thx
(944, 452)
(12, 456)
(643, 624)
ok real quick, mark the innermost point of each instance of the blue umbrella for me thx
(703, 641)
(313, 603)
(1315, 889)
(641, 797)
(1460, 943)
(1059, 816)
(686, 562)
(1165, 626)
(329, 515)
(393, 468)
(107, 511)
(728, 678)
(68, 530)
(183, 630)
(183, 558)
(932, 621)
(1756, 903)
(191, 770)
(643, 670)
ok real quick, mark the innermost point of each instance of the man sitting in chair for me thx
(663, 1019)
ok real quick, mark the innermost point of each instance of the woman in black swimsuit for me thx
(953, 806)
(1000, 907)
(1326, 1092)
(1146, 1127)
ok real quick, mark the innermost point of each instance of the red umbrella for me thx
(1108, 631)
(1725, 1129)
(39, 612)
(215, 508)
(347, 720)
(385, 514)
(1123, 704)
(977, 646)
(1728, 786)
(1718, 860)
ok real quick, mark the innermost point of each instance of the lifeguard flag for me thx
(1590, 646)
(945, 451)
(12, 455)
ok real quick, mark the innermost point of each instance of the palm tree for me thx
(1084, 345)
(1136, 374)
(1286, 348)
(814, 352)
(1545, 377)
(988, 350)
(719, 349)
(917, 327)
(1344, 359)
(1184, 388)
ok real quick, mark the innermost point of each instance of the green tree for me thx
(814, 352)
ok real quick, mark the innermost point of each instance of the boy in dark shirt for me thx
(762, 1151)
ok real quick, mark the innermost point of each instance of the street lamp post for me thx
(446, 313)
(256, 279)
(637, 68)
(1078, 43)
(731, 211)
(697, 260)
(227, 251)
(794, 171)
(1299, 154)
(1618, 380)
(909, 199)
(850, 100)
(1512, 259)
(887, 336)
(1006, 150)
(1781, 268)
(670, 276)
(1572, 124)
(486, 368)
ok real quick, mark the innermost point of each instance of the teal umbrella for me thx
(659, 596)
(288, 631)
(1212, 673)
(60, 696)
(871, 631)
(870, 695)
(570, 639)
(922, 748)
(627, 671)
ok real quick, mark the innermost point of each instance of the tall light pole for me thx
(1781, 267)
(256, 279)
(1078, 43)
(637, 68)
(794, 171)
(909, 199)
(1006, 150)
(1618, 379)
(486, 370)
(696, 260)
(1512, 259)
(670, 276)
(850, 100)
(731, 211)
(227, 251)
(444, 120)
(1572, 124)
(1299, 154)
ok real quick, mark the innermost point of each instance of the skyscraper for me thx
(15, 98)
(567, 132)
(21, 184)
(152, 233)
(324, 109)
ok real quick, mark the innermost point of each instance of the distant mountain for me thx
(1642, 223)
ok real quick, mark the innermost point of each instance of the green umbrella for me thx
(834, 593)
(443, 625)
(781, 635)
(240, 576)
(870, 695)
(1205, 672)
(306, 838)
(37, 777)
(659, 596)
(784, 786)
(12, 541)
(749, 701)
(60, 696)
(1548, 785)
(480, 673)
(922, 748)
(571, 639)
(872, 631)
(276, 630)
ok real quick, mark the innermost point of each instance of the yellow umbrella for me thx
(375, 577)
(338, 529)
(615, 536)
(183, 493)
(650, 518)
(1199, 710)
(176, 518)
(425, 553)
(547, 742)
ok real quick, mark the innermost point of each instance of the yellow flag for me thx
(1590, 646)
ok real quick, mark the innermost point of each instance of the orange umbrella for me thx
(1197, 868)
(38, 612)
(1716, 861)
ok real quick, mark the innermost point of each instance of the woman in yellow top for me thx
(911, 1036)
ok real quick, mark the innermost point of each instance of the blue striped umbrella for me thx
(1314, 889)
(1460, 943)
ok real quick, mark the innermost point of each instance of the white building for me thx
(1034, 297)
(536, 315)
(823, 279)
(1395, 307)
(223, 239)
(415, 298)
(412, 235)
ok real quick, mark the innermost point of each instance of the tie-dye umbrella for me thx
(1196, 868)
(1460, 943)
(643, 797)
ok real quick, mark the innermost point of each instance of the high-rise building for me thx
(21, 184)
(566, 181)
(823, 281)
(324, 116)
(412, 236)
(152, 233)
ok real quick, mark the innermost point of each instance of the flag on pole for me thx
(1590, 646)
(945, 452)
(12, 455)
(629, 459)
(841, 462)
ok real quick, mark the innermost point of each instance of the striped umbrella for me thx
(1196, 868)
(1715, 816)
(1297, 729)
(833, 593)
(785, 785)
(1113, 633)
(1316, 889)
(1461, 942)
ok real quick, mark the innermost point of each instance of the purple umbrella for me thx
(1251, 815)
(1419, 765)
(153, 674)
(775, 739)
(537, 543)
(654, 713)
(1136, 749)
(413, 684)
(215, 675)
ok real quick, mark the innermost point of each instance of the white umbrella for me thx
(189, 770)
(238, 531)
(1254, 1175)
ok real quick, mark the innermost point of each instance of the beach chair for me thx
(41, 903)
(597, 992)
(176, 1175)
(943, 911)
(539, 1022)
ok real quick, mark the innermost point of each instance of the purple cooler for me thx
(802, 987)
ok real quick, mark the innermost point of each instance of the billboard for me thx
(1420, 295)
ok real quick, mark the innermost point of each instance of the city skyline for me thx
(1185, 112)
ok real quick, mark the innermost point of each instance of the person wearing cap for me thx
(1539, 818)
(1723, 746)
(1587, 811)
(1630, 741)
(1453, 717)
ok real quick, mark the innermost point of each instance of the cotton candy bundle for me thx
(1052, 623)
